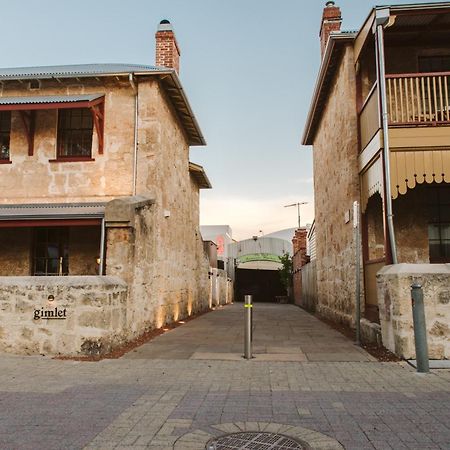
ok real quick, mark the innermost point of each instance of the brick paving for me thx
(142, 402)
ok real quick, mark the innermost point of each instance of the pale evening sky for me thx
(248, 67)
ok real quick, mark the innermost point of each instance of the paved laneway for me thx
(281, 333)
(171, 402)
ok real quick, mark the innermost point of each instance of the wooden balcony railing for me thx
(419, 98)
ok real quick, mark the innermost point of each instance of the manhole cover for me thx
(254, 441)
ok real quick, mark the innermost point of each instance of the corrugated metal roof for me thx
(48, 99)
(75, 70)
(37, 211)
(261, 245)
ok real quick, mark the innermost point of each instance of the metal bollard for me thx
(420, 329)
(248, 327)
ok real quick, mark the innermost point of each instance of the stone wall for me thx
(15, 251)
(220, 289)
(159, 252)
(92, 315)
(394, 298)
(336, 187)
(33, 179)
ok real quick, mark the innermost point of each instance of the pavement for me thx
(168, 394)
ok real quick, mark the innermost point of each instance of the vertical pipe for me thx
(420, 329)
(248, 327)
(356, 226)
(385, 122)
(102, 248)
(135, 153)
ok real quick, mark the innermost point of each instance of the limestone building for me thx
(379, 124)
(95, 179)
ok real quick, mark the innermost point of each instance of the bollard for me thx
(420, 329)
(248, 327)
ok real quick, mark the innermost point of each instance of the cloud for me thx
(247, 216)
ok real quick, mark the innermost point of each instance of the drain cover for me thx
(254, 441)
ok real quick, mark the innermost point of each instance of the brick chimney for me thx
(167, 50)
(331, 22)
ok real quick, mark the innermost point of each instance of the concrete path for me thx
(171, 402)
(281, 333)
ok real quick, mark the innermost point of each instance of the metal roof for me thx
(76, 70)
(48, 99)
(168, 77)
(36, 211)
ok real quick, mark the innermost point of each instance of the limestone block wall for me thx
(15, 253)
(33, 179)
(336, 187)
(91, 313)
(163, 174)
(394, 299)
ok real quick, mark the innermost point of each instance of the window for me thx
(75, 133)
(5, 131)
(51, 251)
(439, 226)
(434, 63)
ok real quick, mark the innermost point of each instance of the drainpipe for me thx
(135, 154)
(102, 249)
(382, 19)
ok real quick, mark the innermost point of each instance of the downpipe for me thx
(135, 152)
(385, 123)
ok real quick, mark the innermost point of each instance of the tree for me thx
(286, 272)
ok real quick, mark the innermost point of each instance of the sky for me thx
(248, 67)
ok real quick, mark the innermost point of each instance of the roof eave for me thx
(308, 133)
(191, 124)
(199, 173)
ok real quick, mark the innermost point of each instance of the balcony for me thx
(418, 99)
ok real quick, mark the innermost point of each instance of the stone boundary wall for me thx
(394, 300)
(221, 288)
(89, 315)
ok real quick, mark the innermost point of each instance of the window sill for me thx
(5, 161)
(72, 159)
